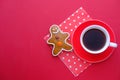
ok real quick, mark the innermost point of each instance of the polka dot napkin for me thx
(70, 59)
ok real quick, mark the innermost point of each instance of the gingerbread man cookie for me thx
(59, 40)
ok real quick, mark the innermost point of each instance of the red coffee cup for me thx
(93, 41)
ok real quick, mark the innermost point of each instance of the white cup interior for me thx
(105, 33)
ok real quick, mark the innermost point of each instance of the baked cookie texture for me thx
(59, 40)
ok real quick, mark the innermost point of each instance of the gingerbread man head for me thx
(54, 29)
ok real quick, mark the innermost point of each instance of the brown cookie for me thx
(59, 40)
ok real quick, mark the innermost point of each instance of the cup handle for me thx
(112, 44)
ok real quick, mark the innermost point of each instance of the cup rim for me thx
(101, 29)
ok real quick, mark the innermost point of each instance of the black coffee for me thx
(94, 39)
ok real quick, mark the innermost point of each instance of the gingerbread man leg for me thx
(56, 50)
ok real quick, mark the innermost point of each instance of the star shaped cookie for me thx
(59, 40)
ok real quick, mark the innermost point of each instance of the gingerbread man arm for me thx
(51, 39)
(65, 35)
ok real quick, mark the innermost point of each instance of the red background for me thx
(24, 55)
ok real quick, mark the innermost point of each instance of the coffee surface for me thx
(94, 39)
